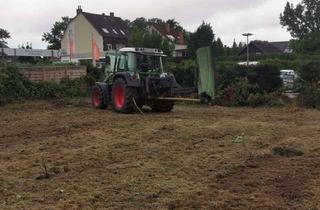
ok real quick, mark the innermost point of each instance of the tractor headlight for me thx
(163, 75)
(135, 76)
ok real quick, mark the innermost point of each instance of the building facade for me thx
(88, 33)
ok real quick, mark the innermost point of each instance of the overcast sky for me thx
(26, 20)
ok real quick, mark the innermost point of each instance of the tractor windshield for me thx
(147, 63)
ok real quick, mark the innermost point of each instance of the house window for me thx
(105, 30)
(114, 31)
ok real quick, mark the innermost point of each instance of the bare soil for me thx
(197, 157)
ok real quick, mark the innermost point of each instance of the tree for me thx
(141, 37)
(202, 37)
(235, 48)
(174, 24)
(4, 34)
(218, 48)
(139, 24)
(150, 40)
(303, 23)
(155, 21)
(55, 35)
(303, 19)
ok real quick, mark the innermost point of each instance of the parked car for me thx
(288, 77)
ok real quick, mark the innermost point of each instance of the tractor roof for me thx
(147, 51)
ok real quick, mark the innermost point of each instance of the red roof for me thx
(167, 31)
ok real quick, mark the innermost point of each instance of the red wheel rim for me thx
(119, 96)
(96, 98)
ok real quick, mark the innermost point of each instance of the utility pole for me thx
(247, 35)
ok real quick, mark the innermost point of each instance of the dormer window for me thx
(105, 30)
(122, 32)
(114, 31)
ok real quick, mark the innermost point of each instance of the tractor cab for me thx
(140, 62)
(135, 77)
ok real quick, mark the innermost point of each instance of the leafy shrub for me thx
(265, 77)
(310, 96)
(310, 72)
(13, 86)
(47, 90)
(237, 93)
(243, 85)
(258, 99)
(309, 85)
(93, 72)
(185, 72)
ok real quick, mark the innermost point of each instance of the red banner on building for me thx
(95, 50)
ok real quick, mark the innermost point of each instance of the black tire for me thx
(123, 97)
(162, 106)
(97, 98)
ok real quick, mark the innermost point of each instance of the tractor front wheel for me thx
(123, 97)
(97, 98)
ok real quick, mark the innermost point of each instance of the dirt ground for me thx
(197, 157)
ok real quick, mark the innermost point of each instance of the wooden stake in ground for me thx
(45, 175)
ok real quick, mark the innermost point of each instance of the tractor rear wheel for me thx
(123, 97)
(162, 106)
(97, 98)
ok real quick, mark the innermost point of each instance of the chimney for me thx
(181, 38)
(79, 10)
(168, 28)
(103, 14)
(112, 14)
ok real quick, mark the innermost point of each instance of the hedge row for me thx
(249, 86)
(14, 86)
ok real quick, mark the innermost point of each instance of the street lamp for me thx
(247, 35)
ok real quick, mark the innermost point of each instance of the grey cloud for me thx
(27, 20)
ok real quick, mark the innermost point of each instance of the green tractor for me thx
(135, 78)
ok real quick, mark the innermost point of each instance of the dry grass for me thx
(193, 158)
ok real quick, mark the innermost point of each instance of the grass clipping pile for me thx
(55, 156)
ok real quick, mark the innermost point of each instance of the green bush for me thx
(185, 72)
(14, 86)
(310, 96)
(309, 85)
(248, 86)
(258, 99)
(310, 72)
(93, 72)
(265, 77)
(237, 93)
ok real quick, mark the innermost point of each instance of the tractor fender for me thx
(105, 90)
(128, 79)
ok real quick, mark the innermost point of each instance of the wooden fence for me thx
(53, 73)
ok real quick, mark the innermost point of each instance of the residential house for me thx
(264, 47)
(88, 33)
(174, 36)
